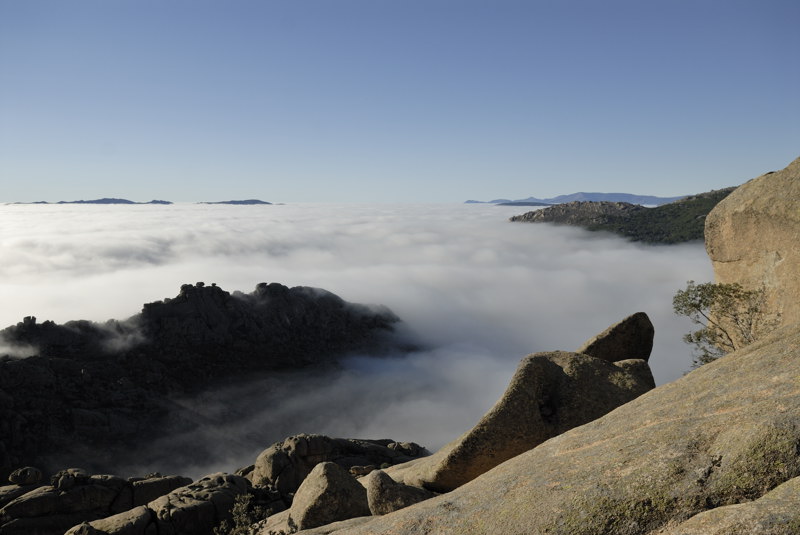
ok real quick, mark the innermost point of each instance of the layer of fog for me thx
(480, 292)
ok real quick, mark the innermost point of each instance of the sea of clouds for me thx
(476, 291)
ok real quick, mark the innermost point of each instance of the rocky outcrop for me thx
(631, 338)
(74, 496)
(727, 433)
(95, 389)
(753, 238)
(675, 222)
(580, 213)
(218, 332)
(549, 394)
(194, 509)
(284, 465)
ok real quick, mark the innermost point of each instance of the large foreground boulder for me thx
(328, 494)
(549, 394)
(753, 238)
(727, 433)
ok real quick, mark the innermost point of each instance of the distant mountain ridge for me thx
(104, 200)
(239, 203)
(679, 221)
(585, 196)
(113, 200)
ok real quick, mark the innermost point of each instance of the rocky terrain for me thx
(581, 443)
(92, 390)
(674, 222)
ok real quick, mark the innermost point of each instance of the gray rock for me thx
(285, 465)
(549, 394)
(385, 495)
(775, 513)
(77, 498)
(752, 239)
(147, 490)
(66, 479)
(137, 521)
(193, 509)
(329, 494)
(11, 492)
(336, 526)
(196, 508)
(631, 338)
(27, 475)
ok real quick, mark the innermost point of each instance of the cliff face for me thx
(753, 238)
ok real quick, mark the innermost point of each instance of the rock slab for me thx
(549, 394)
(631, 338)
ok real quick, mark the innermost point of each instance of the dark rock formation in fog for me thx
(95, 387)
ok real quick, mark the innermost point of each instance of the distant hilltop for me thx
(584, 196)
(247, 201)
(111, 200)
(675, 222)
(104, 200)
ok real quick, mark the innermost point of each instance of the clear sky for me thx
(404, 100)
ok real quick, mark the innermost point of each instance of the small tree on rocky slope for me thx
(731, 318)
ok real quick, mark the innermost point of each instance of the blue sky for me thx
(380, 101)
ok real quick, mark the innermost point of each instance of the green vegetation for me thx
(731, 318)
(676, 222)
(244, 516)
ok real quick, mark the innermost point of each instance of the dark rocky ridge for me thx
(95, 386)
(104, 200)
(240, 203)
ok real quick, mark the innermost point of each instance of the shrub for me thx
(731, 318)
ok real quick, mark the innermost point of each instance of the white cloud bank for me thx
(480, 291)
